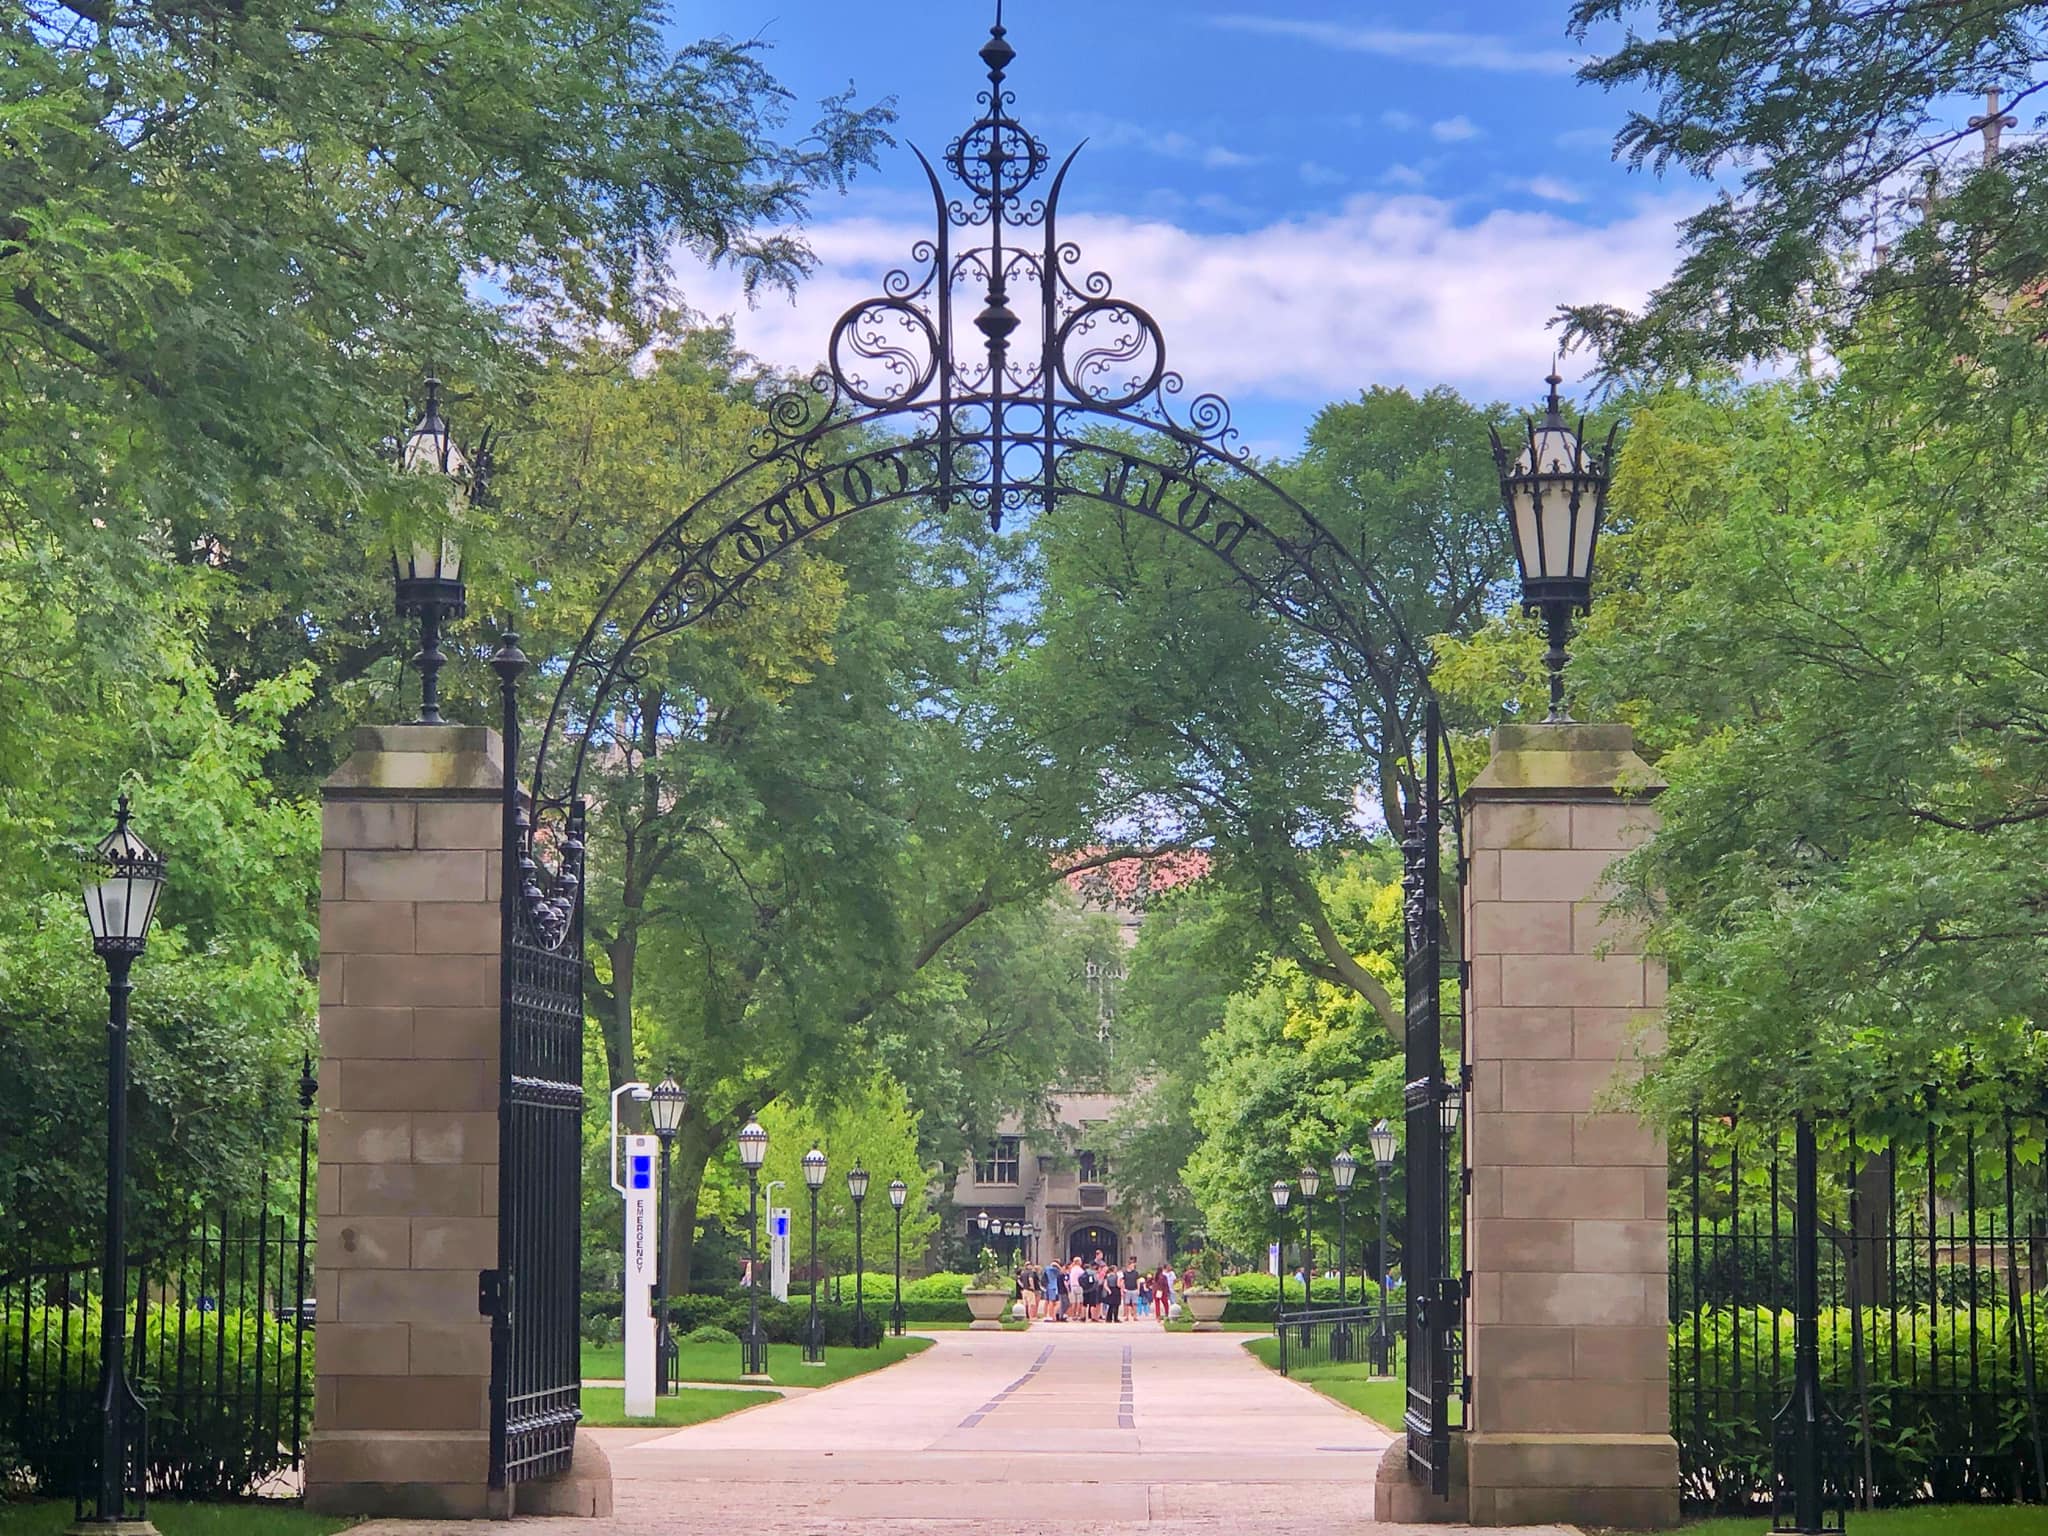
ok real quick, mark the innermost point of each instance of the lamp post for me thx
(665, 1108)
(1280, 1191)
(857, 1186)
(1310, 1182)
(898, 1193)
(1556, 495)
(123, 881)
(1381, 1138)
(1343, 1169)
(428, 567)
(754, 1348)
(814, 1333)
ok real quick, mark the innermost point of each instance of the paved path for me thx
(1006, 1434)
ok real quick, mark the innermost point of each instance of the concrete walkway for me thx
(1061, 1428)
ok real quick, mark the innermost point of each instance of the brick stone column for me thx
(1566, 1337)
(409, 946)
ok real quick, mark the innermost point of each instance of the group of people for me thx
(1097, 1291)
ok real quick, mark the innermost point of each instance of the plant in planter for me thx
(1202, 1290)
(988, 1293)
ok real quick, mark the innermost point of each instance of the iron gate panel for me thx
(1434, 1298)
(532, 1297)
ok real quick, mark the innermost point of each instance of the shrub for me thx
(219, 1413)
(1731, 1370)
(710, 1333)
(947, 1285)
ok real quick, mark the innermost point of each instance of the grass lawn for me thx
(257, 1517)
(1010, 1325)
(1924, 1520)
(605, 1408)
(721, 1362)
(1382, 1399)
(1186, 1325)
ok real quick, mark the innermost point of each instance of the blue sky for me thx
(1312, 196)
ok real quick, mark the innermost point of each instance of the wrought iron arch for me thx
(921, 401)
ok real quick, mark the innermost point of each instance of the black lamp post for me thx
(123, 881)
(1310, 1182)
(1343, 1169)
(754, 1347)
(898, 1193)
(428, 567)
(665, 1108)
(1381, 1138)
(857, 1186)
(1280, 1192)
(1556, 495)
(814, 1333)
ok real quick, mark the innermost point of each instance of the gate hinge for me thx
(490, 1293)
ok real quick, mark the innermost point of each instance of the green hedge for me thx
(220, 1421)
(784, 1322)
(1252, 1295)
(1927, 1440)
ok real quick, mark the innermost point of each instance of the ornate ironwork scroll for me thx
(995, 369)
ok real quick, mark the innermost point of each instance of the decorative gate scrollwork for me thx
(1055, 388)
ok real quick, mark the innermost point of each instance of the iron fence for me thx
(219, 1346)
(1361, 1335)
(1928, 1255)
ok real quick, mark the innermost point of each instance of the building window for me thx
(999, 1164)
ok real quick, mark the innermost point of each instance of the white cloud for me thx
(1318, 175)
(1387, 289)
(1454, 130)
(1399, 175)
(1452, 50)
(1553, 189)
(1585, 138)
(1217, 158)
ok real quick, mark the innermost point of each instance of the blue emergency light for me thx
(643, 1171)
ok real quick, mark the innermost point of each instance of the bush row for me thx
(1941, 1428)
(220, 1416)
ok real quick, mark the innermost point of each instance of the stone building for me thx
(1056, 1179)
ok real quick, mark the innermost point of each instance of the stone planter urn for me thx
(1206, 1308)
(987, 1308)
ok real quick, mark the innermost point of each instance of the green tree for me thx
(1839, 126)
(870, 1124)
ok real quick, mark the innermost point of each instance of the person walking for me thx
(1130, 1289)
(1162, 1293)
(1055, 1289)
(1112, 1294)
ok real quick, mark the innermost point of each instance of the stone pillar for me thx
(408, 1192)
(1566, 1338)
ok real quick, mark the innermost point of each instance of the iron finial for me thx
(1554, 407)
(997, 53)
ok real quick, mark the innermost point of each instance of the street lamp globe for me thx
(665, 1108)
(1344, 1168)
(427, 565)
(753, 1146)
(1448, 1107)
(1555, 490)
(1280, 1192)
(1310, 1181)
(898, 1193)
(814, 1168)
(981, 1221)
(857, 1183)
(123, 881)
(1381, 1138)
